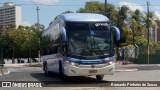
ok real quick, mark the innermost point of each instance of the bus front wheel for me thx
(60, 69)
(99, 77)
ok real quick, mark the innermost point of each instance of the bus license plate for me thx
(92, 71)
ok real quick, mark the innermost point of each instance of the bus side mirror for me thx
(116, 31)
(63, 35)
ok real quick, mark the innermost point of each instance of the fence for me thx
(138, 55)
(128, 53)
(154, 56)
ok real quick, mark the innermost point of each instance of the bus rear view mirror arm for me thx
(117, 32)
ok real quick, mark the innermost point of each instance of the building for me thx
(158, 31)
(10, 14)
(153, 33)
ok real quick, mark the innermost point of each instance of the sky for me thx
(49, 9)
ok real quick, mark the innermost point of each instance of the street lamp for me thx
(37, 27)
(39, 52)
(105, 8)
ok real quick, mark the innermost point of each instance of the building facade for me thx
(153, 33)
(158, 31)
(10, 14)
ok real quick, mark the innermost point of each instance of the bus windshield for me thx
(88, 38)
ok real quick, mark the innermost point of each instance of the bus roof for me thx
(84, 17)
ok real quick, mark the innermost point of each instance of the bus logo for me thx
(100, 24)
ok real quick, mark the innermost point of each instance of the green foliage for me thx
(141, 41)
(92, 7)
(7, 43)
(132, 24)
(18, 42)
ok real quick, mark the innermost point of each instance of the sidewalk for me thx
(124, 68)
(5, 71)
(22, 65)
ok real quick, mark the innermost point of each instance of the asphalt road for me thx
(144, 73)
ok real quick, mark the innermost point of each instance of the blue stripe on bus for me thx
(83, 61)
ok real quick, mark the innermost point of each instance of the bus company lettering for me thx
(100, 24)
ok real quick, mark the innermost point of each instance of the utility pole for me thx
(38, 15)
(39, 52)
(148, 29)
(133, 37)
(105, 8)
(30, 59)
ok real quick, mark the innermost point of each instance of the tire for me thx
(99, 77)
(62, 76)
(60, 69)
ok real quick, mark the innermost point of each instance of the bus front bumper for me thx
(86, 70)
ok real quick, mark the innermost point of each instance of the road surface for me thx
(54, 82)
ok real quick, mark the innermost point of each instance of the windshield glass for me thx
(88, 39)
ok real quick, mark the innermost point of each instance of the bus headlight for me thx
(72, 63)
(109, 62)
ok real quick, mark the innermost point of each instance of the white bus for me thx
(80, 44)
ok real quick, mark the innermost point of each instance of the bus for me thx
(80, 44)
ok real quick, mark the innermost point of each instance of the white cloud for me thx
(155, 8)
(26, 23)
(132, 6)
(45, 1)
(157, 14)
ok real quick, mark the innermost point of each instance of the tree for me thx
(6, 42)
(137, 25)
(37, 27)
(37, 36)
(92, 7)
(18, 38)
(24, 39)
(152, 19)
(121, 21)
(118, 17)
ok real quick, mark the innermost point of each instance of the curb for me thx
(158, 64)
(23, 65)
(125, 70)
(14, 65)
(1, 71)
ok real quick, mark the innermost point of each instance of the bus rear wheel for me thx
(99, 77)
